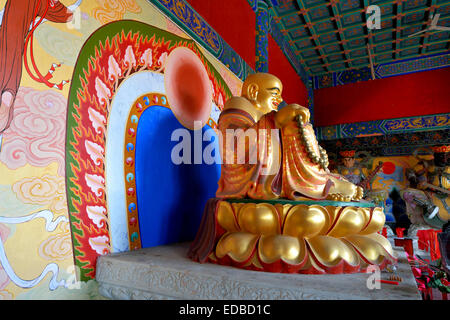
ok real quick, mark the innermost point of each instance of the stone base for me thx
(165, 272)
(285, 236)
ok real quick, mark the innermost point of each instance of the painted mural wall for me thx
(294, 90)
(235, 21)
(387, 183)
(91, 83)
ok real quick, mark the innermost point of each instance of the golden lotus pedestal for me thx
(292, 236)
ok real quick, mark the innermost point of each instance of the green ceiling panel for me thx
(332, 36)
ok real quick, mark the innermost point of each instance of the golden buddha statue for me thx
(297, 164)
(278, 208)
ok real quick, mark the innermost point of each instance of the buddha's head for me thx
(263, 90)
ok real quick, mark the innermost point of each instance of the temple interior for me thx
(181, 149)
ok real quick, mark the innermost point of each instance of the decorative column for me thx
(262, 36)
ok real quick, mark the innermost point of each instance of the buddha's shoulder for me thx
(239, 104)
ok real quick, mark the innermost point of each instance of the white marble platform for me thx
(166, 273)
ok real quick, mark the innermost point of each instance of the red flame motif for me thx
(108, 54)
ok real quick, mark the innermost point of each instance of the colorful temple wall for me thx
(70, 188)
(387, 98)
(294, 90)
(390, 177)
(70, 159)
(392, 174)
(235, 21)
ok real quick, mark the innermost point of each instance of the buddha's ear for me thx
(252, 91)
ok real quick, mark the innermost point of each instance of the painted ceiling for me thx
(332, 36)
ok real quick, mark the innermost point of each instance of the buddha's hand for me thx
(290, 113)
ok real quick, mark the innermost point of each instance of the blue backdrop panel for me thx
(170, 197)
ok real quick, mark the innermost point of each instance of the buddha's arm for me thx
(289, 113)
(239, 131)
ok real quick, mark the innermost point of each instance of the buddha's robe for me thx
(283, 168)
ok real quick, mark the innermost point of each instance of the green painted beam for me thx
(382, 61)
(313, 31)
(426, 36)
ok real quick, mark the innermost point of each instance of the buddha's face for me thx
(264, 90)
(269, 96)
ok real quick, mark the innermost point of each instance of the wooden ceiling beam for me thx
(396, 39)
(398, 23)
(384, 17)
(343, 41)
(426, 36)
(362, 25)
(374, 55)
(312, 30)
(370, 45)
(380, 62)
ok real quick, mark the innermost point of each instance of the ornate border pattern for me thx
(391, 137)
(262, 38)
(180, 12)
(142, 103)
(390, 144)
(385, 127)
(111, 54)
(385, 70)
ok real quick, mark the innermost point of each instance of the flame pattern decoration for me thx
(110, 55)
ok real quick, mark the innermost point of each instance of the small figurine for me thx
(350, 168)
(354, 166)
(429, 183)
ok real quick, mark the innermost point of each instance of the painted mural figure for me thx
(295, 168)
(351, 169)
(430, 182)
(20, 19)
(355, 167)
